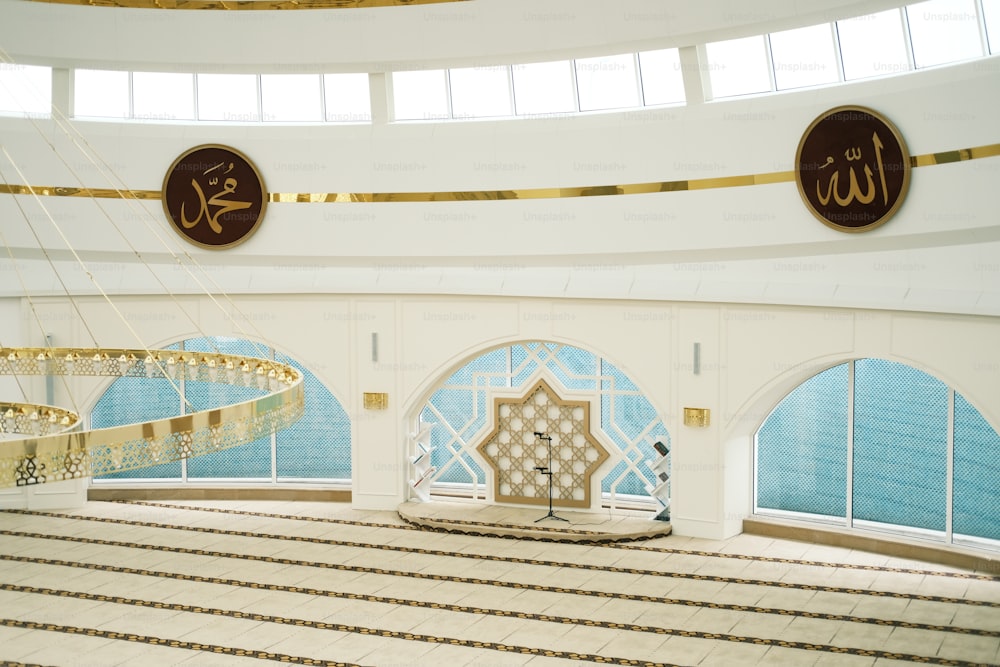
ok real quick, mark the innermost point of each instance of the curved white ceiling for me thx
(388, 38)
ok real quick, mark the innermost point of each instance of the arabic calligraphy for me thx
(852, 169)
(854, 190)
(214, 196)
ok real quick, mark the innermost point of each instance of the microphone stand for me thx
(548, 471)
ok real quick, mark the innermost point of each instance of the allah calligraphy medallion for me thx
(214, 196)
(852, 169)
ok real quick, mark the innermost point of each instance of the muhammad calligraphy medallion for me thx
(214, 196)
(852, 169)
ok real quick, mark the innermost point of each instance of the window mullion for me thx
(838, 52)
(907, 38)
(950, 469)
(182, 389)
(849, 513)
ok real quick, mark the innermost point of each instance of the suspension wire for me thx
(31, 303)
(93, 280)
(101, 165)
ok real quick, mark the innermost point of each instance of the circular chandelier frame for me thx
(55, 448)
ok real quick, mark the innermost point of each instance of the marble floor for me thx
(258, 582)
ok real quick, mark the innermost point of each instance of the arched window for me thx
(461, 406)
(316, 448)
(878, 444)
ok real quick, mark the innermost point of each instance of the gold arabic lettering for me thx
(854, 187)
(217, 200)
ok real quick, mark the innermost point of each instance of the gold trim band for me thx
(72, 455)
(250, 5)
(926, 160)
(35, 419)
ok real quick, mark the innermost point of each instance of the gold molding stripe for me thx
(89, 193)
(248, 5)
(768, 178)
(960, 155)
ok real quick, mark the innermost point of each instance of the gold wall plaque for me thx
(697, 417)
(214, 196)
(852, 169)
(376, 401)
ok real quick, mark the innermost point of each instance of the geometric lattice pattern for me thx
(462, 407)
(515, 452)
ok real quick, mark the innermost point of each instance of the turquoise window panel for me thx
(900, 452)
(251, 460)
(574, 368)
(523, 365)
(801, 448)
(129, 400)
(317, 446)
(617, 379)
(494, 362)
(900, 445)
(976, 484)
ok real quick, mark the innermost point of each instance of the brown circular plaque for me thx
(852, 169)
(214, 196)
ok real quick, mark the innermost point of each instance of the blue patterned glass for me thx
(900, 445)
(976, 489)
(802, 448)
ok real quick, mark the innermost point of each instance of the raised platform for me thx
(524, 523)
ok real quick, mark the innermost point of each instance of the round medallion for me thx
(214, 196)
(852, 169)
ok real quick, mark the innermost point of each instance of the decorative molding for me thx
(926, 160)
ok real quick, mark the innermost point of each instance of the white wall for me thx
(771, 295)
(753, 244)
(385, 39)
(751, 356)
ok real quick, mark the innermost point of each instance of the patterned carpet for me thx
(252, 582)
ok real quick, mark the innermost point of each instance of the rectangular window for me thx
(25, 89)
(290, 97)
(348, 99)
(873, 45)
(738, 67)
(608, 82)
(420, 95)
(162, 96)
(991, 17)
(228, 97)
(662, 77)
(804, 57)
(943, 32)
(481, 92)
(101, 93)
(544, 88)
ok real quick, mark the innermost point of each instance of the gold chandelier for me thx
(55, 449)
